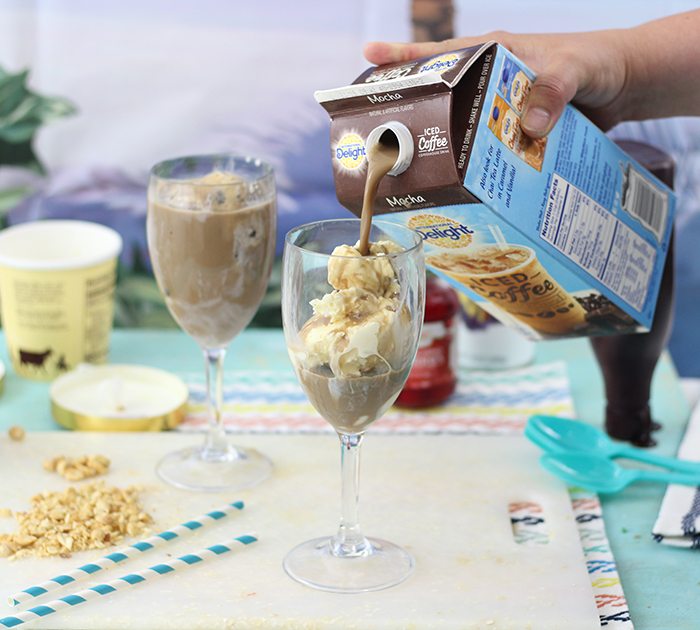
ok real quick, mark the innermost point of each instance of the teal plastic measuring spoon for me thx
(601, 474)
(559, 435)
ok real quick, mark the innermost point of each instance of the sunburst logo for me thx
(440, 64)
(350, 152)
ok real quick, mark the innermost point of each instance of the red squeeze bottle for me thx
(433, 377)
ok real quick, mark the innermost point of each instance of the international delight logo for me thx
(440, 64)
(441, 231)
(349, 152)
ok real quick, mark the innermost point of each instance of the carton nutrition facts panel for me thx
(590, 236)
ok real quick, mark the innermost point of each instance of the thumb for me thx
(553, 88)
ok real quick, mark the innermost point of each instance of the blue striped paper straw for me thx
(123, 553)
(126, 581)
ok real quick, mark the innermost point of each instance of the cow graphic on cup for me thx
(37, 359)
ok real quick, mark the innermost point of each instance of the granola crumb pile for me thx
(79, 468)
(16, 433)
(91, 516)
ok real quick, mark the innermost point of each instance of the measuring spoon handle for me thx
(671, 463)
(668, 477)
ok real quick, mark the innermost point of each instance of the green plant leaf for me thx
(19, 154)
(34, 111)
(140, 288)
(10, 197)
(13, 91)
(22, 112)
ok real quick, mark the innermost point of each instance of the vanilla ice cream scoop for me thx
(355, 328)
(348, 268)
(217, 191)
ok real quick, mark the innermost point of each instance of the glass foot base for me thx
(236, 469)
(313, 564)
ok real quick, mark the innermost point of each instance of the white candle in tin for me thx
(119, 392)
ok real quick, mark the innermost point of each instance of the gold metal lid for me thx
(118, 398)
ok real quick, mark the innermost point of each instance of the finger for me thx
(554, 87)
(387, 52)
(380, 53)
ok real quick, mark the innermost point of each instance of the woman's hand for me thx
(649, 71)
(588, 68)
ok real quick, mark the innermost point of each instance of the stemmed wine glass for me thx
(352, 325)
(211, 235)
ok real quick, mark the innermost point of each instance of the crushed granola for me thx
(91, 516)
(16, 433)
(79, 468)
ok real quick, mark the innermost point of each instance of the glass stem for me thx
(215, 445)
(349, 541)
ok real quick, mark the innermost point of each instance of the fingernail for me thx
(536, 120)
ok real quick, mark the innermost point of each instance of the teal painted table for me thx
(662, 584)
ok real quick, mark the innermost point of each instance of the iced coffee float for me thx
(211, 236)
(209, 248)
(352, 322)
(355, 338)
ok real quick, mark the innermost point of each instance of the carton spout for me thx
(395, 134)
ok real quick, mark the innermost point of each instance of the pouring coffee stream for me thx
(381, 158)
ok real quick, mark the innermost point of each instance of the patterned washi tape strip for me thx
(424, 424)
(126, 581)
(497, 402)
(529, 528)
(255, 380)
(600, 562)
(123, 553)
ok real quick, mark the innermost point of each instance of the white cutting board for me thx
(444, 498)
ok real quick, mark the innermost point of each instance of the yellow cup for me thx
(57, 283)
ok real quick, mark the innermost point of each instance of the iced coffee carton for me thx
(564, 236)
